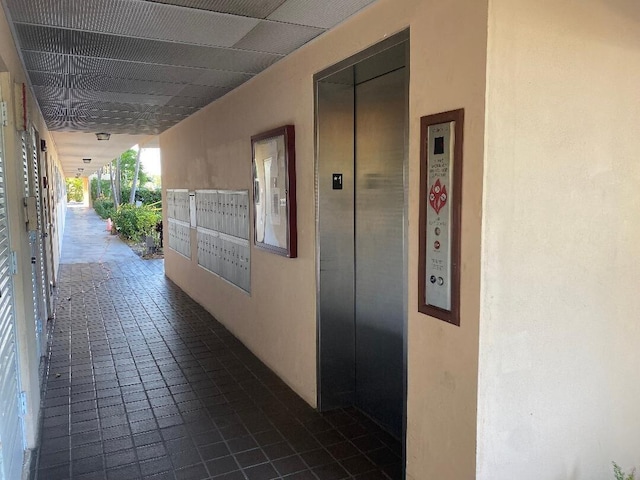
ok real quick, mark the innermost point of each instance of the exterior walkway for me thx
(86, 239)
(143, 383)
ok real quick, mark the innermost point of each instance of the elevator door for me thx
(380, 113)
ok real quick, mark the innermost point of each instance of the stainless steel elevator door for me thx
(380, 116)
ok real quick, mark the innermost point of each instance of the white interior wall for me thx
(559, 385)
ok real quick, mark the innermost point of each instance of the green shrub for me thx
(146, 196)
(135, 222)
(105, 188)
(104, 207)
(620, 475)
(149, 196)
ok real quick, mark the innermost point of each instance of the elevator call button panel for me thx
(439, 220)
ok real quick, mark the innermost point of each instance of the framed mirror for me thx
(274, 191)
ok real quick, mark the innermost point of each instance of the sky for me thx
(150, 159)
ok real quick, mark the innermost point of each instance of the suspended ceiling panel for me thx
(137, 67)
(323, 14)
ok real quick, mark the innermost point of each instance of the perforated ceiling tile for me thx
(131, 107)
(43, 39)
(66, 124)
(277, 37)
(136, 19)
(57, 94)
(202, 91)
(153, 72)
(53, 12)
(51, 111)
(109, 84)
(177, 110)
(46, 62)
(50, 105)
(197, 102)
(323, 14)
(61, 125)
(194, 102)
(91, 95)
(248, 8)
(221, 78)
(122, 118)
(133, 70)
(152, 51)
(48, 79)
(140, 66)
(163, 22)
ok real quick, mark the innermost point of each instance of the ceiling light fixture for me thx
(103, 136)
(86, 160)
(80, 169)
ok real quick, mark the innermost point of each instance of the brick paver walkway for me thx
(142, 382)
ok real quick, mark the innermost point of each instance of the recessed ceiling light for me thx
(86, 160)
(103, 136)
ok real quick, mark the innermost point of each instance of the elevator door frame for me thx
(328, 400)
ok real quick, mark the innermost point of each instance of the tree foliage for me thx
(105, 187)
(128, 170)
(74, 190)
(131, 222)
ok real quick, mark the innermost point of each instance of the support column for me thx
(86, 192)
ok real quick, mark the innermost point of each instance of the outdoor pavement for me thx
(143, 383)
(86, 239)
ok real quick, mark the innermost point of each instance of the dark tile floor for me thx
(143, 383)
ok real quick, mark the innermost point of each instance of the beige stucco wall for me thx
(278, 321)
(559, 380)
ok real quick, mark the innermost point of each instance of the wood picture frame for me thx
(274, 191)
(441, 147)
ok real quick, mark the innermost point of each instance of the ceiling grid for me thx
(138, 67)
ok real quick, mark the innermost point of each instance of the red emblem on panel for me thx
(438, 196)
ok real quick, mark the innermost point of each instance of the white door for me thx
(41, 267)
(11, 428)
(34, 244)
